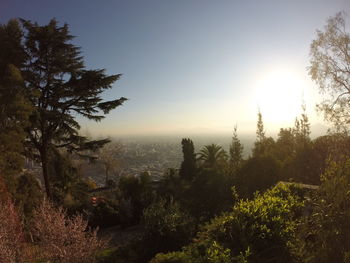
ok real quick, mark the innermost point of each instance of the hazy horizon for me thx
(317, 130)
(194, 67)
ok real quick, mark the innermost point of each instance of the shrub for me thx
(167, 227)
(12, 243)
(166, 221)
(264, 226)
(258, 230)
(63, 239)
(172, 257)
(137, 192)
(27, 194)
(105, 213)
(324, 235)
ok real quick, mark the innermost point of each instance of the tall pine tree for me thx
(60, 88)
(188, 166)
(259, 145)
(302, 130)
(236, 150)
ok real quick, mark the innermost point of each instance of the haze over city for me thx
(195, 67)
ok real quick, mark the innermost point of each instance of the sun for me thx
(279, 95)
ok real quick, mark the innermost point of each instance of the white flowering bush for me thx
(12, 243)
(61, 238)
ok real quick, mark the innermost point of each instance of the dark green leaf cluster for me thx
(167, 227)
(258, 230)
(188, 166)
(236, 152)
(212, 157)
(136, 194)
(324, 235)
(14, 106)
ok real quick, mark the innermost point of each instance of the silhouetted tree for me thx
(285, 152)
(323, 150)
(209, 194)
(257, 174)
(109, 156)
(330, 63)
(260, 143)
(302, 130)
(260, 131)
(188, 165)
(285, 144)
(305, 124)
(60, 88)
(212, 156)
(300, 168)
(236, 150)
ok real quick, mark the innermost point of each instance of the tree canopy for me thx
(59, 88)
(212, 155)
(330, 69)
(236, 151)
(14, 106)
(188, 166)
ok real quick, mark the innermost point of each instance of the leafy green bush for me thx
(167, 227)
(109, 255)
(258, 230)
(172, 257)
(138, 191)
(324, 235)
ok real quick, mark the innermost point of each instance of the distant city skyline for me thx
(195, 66)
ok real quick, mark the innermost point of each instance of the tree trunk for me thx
(107, 175)
(44, 163)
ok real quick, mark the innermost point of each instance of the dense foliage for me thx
(14, 106)
(324, 233)
(257, 230)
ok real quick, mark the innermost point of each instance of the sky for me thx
(194, 66)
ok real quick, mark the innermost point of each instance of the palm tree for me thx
(212, 155)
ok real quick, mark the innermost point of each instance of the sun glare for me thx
(279, 95)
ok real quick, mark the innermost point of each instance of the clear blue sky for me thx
(194, 66)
